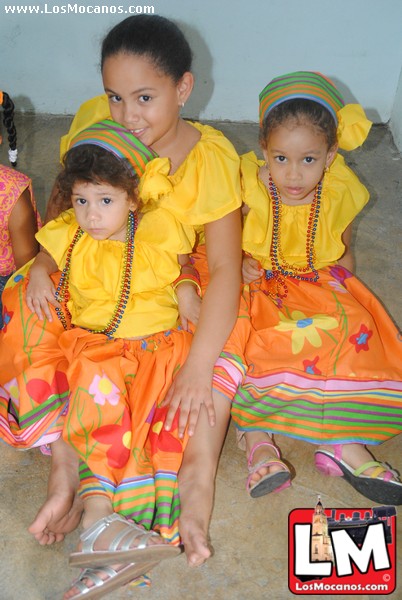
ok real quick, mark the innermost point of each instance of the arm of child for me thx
(40, 289)
(22, 227)
(188, 293)
(192, 387)
(347, 260)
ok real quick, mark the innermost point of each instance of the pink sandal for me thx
(384, 490)
(271, 482)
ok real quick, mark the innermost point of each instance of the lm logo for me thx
(342, 551)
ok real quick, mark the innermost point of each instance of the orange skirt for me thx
(325, 363)
(34, 390)
(104, 396)
(115, 422)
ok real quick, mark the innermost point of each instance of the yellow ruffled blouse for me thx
(205, 187)
(343, 197)
(97, 269)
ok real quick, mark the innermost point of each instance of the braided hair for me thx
(8, 120)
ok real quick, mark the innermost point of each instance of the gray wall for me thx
(49, 62)
(396, 116)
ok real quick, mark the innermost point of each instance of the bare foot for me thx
(61, 512)
(195, 542)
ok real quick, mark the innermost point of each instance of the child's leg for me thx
(197, 481)
(34, 393)
(61, 512)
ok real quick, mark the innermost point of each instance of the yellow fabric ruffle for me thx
(97, 268)
(353, 126)
(205, 187)
(343, 197)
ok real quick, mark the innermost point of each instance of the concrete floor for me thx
(249, 535)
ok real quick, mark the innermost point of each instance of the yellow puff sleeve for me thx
(55, 236)
(205, 187)
(257, 224)
(158, 242)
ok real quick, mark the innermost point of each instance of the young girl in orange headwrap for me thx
(92, 375)
(324, 358)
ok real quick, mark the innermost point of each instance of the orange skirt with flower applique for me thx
(115, 422)
(104, 396)
(325, 363)
(230, 368)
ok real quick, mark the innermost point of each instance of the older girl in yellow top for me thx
(324, 358)
(146, 64)
(101, 382)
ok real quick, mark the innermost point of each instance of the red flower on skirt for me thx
(158, 436)
(118, 437)
(360, 339)
(7, 316)
(40, 390)
(310, 366)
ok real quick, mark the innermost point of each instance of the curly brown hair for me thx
(92, 164)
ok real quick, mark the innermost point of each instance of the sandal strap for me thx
(122, 540)
(92, 575)
(267, 463)
(378, 469)
(259, 445)
(129, 534)
(90, 535)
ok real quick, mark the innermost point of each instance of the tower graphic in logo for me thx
(321, 546)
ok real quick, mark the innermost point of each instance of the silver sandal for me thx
(120, 549)
(114, 580)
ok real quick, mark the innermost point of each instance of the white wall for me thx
(49, 62)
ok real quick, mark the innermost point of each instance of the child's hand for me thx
(190, 390)
(40, 293)
(251, 269)
(189, 304)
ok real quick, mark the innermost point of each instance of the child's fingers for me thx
(251, 274)
(193, 418)
(37, 309)
(209, 405)
(30, 304)
(46, 310)
(171, 413)
(184, 323)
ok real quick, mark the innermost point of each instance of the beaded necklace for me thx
(62, 294)
(281, 269)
